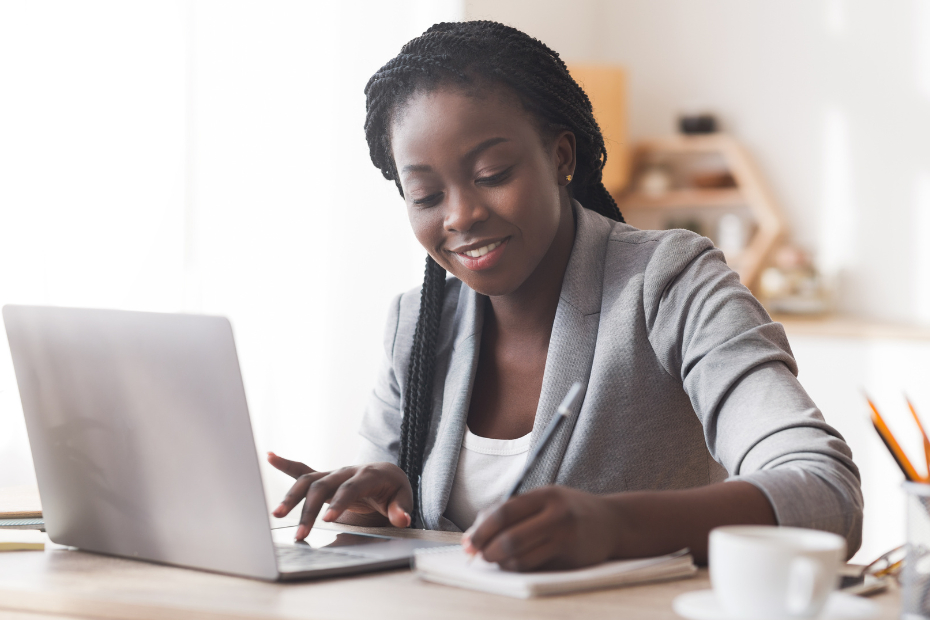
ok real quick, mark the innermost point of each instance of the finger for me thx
(294, 469)
(542, 556)
(513, 510)
(357, 488)
(318, 493)
(401, 505)
(399, 510)
(296, 493)
(522, 537)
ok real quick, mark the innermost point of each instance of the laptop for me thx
(143, 447)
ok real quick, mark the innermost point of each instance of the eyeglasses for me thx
(888, 564)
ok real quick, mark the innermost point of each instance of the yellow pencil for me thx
(893, 445)
(922, 432)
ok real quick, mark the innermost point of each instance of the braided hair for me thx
(468, 54)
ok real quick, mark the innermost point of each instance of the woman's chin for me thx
(488, 285)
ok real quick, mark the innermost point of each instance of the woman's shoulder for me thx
(660, 254)
(629, 247)
(657, 259)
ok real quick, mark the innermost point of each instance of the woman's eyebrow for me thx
(484, 146)
(474, 152)
(416, 168)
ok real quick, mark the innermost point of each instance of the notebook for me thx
(22, 540)
(22, 524)
(449, 566)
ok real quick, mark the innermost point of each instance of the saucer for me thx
(703, 605)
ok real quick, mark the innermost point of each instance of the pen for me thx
(571, 400)
(569, 403)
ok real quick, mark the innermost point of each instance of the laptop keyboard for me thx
(297, 558)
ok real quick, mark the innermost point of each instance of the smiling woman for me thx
(693, 416)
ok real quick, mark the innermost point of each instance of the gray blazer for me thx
(689, 383)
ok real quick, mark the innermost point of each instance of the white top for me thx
(486, 470)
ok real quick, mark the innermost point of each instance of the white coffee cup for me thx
(773, 573)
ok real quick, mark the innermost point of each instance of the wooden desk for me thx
(62, 583)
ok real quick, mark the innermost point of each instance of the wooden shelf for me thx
(750, 192)
(842, 326)
(678, 198)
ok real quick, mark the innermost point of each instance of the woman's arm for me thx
(559, 527)
(736, 366)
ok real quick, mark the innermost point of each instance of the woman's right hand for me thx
(376, 488)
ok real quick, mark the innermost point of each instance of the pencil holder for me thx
(915, 579)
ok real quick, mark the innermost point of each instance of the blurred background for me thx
(206, 156)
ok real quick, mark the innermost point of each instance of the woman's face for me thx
(485, 193)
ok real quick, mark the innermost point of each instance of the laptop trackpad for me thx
(379, 546)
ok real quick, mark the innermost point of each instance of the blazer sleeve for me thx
(738, 370)
(380, 428)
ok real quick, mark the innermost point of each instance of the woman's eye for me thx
(427, 201)
(495, 179)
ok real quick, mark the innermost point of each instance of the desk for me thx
(62, 583)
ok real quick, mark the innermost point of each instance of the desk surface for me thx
(62, 583)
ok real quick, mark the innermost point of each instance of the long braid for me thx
(418, 392)
(468, 54)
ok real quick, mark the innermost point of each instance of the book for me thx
(20, 503)
(449, 566)
(22, 540)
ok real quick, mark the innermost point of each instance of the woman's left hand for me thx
(550, 527)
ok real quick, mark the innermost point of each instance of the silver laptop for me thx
(143, 447)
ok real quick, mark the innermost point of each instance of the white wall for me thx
(208, 156)
(835, 371)
(832, 97)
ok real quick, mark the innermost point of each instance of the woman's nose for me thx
(463, 211)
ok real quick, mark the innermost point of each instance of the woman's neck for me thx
(530, 310)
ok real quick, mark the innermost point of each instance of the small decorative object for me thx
(792, 285)
(718, 179)
(655, 179)
(692, 124)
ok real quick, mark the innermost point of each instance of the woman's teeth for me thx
(482, 251)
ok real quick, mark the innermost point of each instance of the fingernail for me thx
(330, 515)
(302, 531)
(409, 518)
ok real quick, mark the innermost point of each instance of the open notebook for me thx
(448, 565)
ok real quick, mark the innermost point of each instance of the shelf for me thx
(677, 198)
(750, 192)
(841, 326)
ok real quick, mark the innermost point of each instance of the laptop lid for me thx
(141, 437)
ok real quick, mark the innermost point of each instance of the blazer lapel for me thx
(573, 340)
(449, 429)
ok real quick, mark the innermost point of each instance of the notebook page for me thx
(449, 566)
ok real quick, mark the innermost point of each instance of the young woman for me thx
(693, 417)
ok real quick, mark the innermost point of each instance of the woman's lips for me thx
(493, 252)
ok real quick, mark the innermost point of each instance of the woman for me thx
(498, 157)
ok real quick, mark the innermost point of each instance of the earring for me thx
(568, 178)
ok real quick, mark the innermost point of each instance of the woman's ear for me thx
(565, 157)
